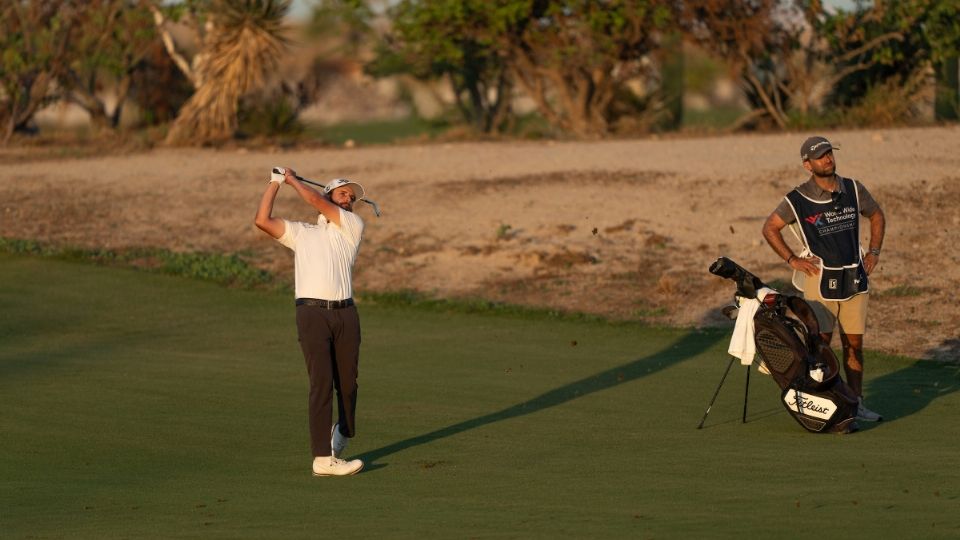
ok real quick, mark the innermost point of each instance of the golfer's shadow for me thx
(688, 346)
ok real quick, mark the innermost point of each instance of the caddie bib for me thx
(831, 230)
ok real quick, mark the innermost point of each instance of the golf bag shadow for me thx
(787, 337)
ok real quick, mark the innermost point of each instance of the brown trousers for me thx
(330, 340)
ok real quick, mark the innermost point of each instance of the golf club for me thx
(280, 171)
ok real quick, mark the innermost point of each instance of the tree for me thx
(941, 27)
(351, 20)
(770, 47)
(574, 58)
(34, 44)
(241, 42)
(444, 38)
(111, 38)
(796, 59)
(930, 31)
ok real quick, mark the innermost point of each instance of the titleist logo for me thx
(821, 143)
(815, 406)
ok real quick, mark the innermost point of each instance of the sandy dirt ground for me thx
(624, 228)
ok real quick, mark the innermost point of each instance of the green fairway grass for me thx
(141, 405)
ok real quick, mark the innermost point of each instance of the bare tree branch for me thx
(171, 47)
(870, 45)
(759, 88)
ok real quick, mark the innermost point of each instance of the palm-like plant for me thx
(241, 48)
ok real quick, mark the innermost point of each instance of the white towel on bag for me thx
(742, 345)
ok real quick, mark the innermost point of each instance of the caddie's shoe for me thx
(866, 414)
(337, 441)
(334, 466)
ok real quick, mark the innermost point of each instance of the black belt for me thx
(325, 304)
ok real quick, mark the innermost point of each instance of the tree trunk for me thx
(92, 105)
(947, 100)
(123, 90)
(500, 109)
(7, 130)
(24, 106)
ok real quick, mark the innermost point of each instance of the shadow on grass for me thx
(688, 346)
(909, 390)
(751, 417)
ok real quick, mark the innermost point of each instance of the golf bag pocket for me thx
(779, 344)
(842, 283)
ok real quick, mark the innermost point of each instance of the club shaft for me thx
(376, 209)
(311, 182)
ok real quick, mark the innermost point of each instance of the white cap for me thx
(340, 182)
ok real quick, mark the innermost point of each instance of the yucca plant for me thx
(241, 49)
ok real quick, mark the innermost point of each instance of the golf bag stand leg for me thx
(717, 392)
(746, 395)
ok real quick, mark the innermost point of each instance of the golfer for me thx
(328, 326)
(824, 212)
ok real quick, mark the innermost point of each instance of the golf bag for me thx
(787, 337)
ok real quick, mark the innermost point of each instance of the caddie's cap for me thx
(340, 182)
(815, 148)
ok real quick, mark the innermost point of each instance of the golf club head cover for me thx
(747, 283)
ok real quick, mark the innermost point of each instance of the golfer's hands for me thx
(289, 175)
(870, 262)
(276, 175)
(808, 265)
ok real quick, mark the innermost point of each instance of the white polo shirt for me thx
(324, 254)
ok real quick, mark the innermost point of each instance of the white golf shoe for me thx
(334, 466)
(866, 414)
(337, 441)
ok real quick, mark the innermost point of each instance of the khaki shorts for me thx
(852, 313)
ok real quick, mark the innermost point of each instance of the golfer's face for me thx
(823, 165)
(343, 197)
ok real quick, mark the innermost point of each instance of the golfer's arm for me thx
(772, 232)
(878, 226)
(317, 200)
(265, 220)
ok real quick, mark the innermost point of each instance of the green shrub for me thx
(224, 269)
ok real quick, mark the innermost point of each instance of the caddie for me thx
(328, 325)
(832, 270)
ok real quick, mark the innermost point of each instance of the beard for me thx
(827, 170)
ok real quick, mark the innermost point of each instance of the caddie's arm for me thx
(878, 225)
(313, 197)
(773, 232)
(265, 220)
